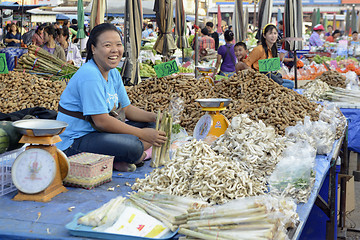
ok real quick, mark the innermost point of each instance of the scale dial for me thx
(33, 170)
(203, 127)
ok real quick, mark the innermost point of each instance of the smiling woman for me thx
(91, 94)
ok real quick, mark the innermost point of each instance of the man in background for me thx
(213, 34)
(148, 32)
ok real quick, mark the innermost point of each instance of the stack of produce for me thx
(171, 210)
(146, 70)
(263, 99)
(256, 147)
(22, 90)
(156, 94)
(160, 155)
(315, 89)
(39, 61)
(333, 79)
(195, 170)
(263, 217)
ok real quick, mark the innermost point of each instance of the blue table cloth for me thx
(10, 54)
(20, 220)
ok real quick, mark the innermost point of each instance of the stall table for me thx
(38, 220)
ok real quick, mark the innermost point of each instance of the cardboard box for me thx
(88, 170)
(350, 193)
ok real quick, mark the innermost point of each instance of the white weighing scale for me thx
(213, 124)
(39, 171)
(206, 71)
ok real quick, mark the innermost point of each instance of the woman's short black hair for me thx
(50, 30)
(229, 35)
(63, 31)
(39, 28)
(94, 35)
(335, 32)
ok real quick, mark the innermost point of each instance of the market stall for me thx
(254, 157)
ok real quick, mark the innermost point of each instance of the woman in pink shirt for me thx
(38, 37)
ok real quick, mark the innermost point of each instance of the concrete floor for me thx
(353, 218)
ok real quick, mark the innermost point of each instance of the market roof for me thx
(16, 6)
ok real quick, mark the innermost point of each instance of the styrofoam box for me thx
(6, 161)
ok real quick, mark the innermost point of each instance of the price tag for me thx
(166, 69)
(3, 64)
(268, 65)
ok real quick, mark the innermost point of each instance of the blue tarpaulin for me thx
(353, 117)
(11, 53)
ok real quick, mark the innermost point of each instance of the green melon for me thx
(4, 141)
(13, 134)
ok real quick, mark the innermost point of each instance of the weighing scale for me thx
(206, 71)
(213, 124)
(39, 171)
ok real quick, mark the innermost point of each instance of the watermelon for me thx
(4, 141)
(13, 134)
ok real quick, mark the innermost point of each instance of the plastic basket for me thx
(6, 161)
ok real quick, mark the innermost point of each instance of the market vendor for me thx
(38, 37)
(72, 52)
(50, 45)
(267, 49)
(315, 39)
(13, 37)
(333, 36)
(89, 97)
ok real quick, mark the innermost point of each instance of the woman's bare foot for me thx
(124, 167)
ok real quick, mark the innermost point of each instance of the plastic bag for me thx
(293, 175)
(352, 81)
(176, 107)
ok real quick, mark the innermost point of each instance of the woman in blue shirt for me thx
(89, 97)
(13, 37)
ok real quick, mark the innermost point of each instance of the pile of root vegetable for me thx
(22, 90)
(251, 92)
(333, 78)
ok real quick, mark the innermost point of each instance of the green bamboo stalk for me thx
(154, 148)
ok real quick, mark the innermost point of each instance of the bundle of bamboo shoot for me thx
(264, 217)
(171, 210)
(39, 61)
(160, 155)
(342, 95)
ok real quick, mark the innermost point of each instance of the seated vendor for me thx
(13, 37)
(267, 49)
(89, 97)
(333, 36)
(315, 39)
(50, 45)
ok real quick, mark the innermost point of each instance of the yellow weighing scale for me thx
(213, 124)
(39, 171)
(206, 71)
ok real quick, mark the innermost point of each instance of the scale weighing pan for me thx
(205, 68)
(214, 102)
(40, 127)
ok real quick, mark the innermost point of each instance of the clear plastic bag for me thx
(176, 107)
(352, 81)
(294, 172)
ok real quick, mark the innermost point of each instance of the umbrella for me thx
(318, 16)
(325, 21)
(313, 19)
(97, 13)
(132, 40)
(293, 28)
(219, 30)
(80, 18)
(279, 15)
(246, 20)
(334, 21)
(180, 24)
(353, 20)
(265, 11)
(238, 22)
(164, 19)
(347, 21)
